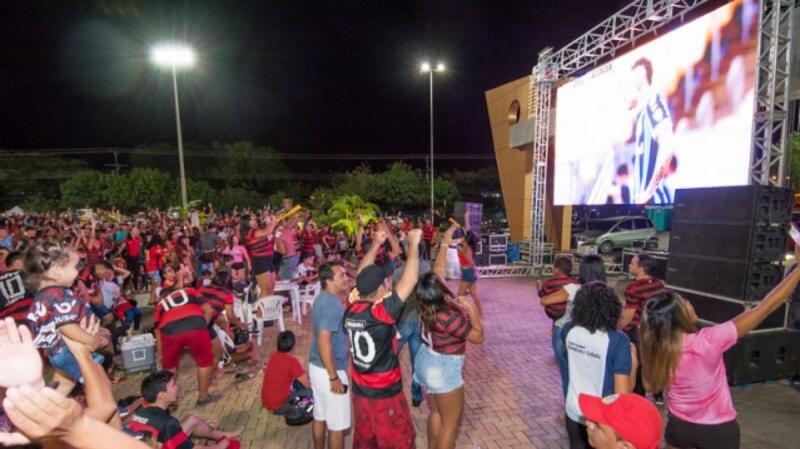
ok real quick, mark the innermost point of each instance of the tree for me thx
(794, 151)
(350, 211)
(229, 197)
(400, 188)
(199, 191)
(23, 176)
(84, 189)
(248, 166)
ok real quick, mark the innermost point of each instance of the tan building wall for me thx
(505, 105)
(513, 165)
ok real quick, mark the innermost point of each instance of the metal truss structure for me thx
(505, 271)
(771, 117)
(623, 29)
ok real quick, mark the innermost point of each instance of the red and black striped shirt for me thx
(162, 427)
(15, 301)
(180, 311)
(217, 297)
(636, 296)
(552, 285)
(373, 344)
(260, 246)
(449, 334)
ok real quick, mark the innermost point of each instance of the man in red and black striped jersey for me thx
(181, 318)
(562, 268)
(15, 300)
(221, 301)
(636, 295)
(382, 416)
(160, 390)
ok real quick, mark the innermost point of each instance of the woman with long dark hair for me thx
(592, 269)
(447, 324)
(469, 274)
(687, 364)
(259, 238)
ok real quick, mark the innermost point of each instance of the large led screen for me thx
(674, 113)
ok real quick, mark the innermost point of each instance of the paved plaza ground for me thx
(513, 397)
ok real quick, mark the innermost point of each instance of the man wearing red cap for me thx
(382, 417)
(621, 421)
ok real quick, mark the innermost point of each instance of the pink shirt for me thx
(699, 392)
(237, 252)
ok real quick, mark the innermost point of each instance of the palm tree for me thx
(351, 211)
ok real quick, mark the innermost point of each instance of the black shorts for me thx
(262, 264)
(683, 434)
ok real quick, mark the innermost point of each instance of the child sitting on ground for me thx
(285, 379)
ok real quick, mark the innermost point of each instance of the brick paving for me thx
(513, 397)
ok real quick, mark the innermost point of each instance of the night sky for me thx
(303, 77)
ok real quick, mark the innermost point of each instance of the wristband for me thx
(334, 378)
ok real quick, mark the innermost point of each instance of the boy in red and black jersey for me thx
(382, 416)
(562, 268)
(15, 300)
(161, 391)
(636, 295)
(181, 318)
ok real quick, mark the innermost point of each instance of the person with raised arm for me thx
(381, 412)
(687, 364)
(448, 323)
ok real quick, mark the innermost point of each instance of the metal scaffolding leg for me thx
(544, 73)
(770, 120)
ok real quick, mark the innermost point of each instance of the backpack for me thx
(301, 411)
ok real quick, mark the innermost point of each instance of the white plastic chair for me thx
(268, 308)
(307, 295)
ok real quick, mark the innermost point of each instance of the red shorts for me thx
(197, 341)
(382, 423)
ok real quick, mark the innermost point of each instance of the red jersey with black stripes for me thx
(15, 301)
(162, 427)
(263, 246)
(373, 344)
(217, 297)
(552, 285)
(636, 296)
(180, 311)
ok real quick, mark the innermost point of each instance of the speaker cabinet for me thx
(761, 356)
(718, 310)
(733, 278)
(748, 204)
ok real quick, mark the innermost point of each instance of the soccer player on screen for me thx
(653, 138)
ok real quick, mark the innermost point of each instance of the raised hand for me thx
(90, 325)
(447, 240)
(17, 351)
(39, 414)
(414, 237)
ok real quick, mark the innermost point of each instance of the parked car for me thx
(617, 232)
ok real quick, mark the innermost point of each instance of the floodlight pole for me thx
(430, 73)
(184, 200)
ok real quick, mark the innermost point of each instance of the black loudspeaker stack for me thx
(726, 252)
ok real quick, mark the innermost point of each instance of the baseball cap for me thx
(369, 279)
(632, 416)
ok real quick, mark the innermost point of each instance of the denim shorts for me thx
(65, 362)
(438, 373)
(468, 275)
(155, 276)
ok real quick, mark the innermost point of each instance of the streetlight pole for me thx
(174, 56)
(184, 199)
(427, 68)
(431, 99)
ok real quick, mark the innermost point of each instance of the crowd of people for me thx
(67, 301)
(68, 293)
(647, 345)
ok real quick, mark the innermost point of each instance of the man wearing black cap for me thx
(382, 416)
